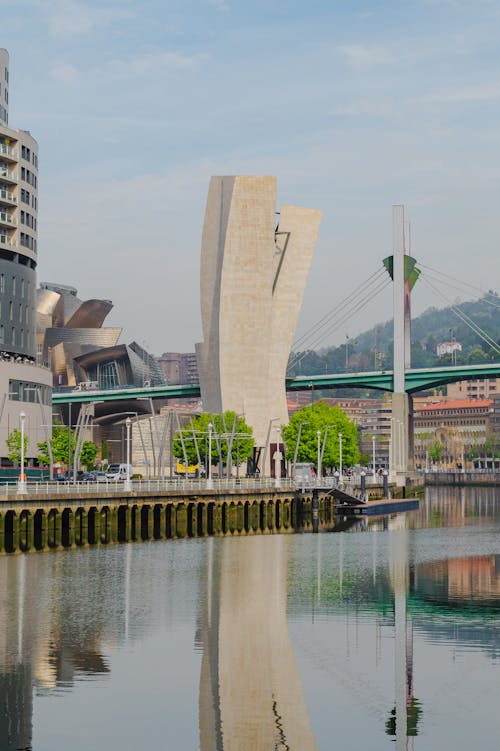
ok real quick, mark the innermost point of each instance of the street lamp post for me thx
(277, 460)
(340, 459)
(324, 443)
(318, 473)
(210, 484)
(295, 454)
(21, 485)
(128, 483)
(373, 456)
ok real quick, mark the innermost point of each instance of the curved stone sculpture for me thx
(254, 268)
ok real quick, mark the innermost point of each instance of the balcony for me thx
(6, 241)
(8, 153)
(8, 198)
(6, 220)
(8, 176)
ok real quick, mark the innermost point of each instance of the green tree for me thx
(62, 436)
(436, 452)
(321, 417)
(88, 454)
(222, 426)
(477, 355)
(14, 445)
(62, 439)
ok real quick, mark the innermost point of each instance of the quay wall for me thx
(34, 522)
(461, 479)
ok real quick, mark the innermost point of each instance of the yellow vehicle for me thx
(181, 469)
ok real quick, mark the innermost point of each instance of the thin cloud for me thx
(477, 93)
(68, 18)
(63, 72)
(362, 56)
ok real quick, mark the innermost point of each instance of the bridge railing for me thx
(56, 488)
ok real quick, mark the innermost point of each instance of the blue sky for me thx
(354, 106)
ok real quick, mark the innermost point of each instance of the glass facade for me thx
(26, 391)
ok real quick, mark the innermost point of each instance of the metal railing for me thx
(8, 175)
(59, 487)
(5, 240)
(7, 219)
(6, 196)
(9, 151)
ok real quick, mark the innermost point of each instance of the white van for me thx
(118, 471)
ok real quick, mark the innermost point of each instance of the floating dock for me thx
(377, 508)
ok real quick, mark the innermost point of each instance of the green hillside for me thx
(372, 350)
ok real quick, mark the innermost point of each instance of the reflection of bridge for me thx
(415, 380)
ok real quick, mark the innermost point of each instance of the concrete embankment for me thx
(37, 522)
(461, 479)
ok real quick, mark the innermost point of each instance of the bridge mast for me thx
(401, 432)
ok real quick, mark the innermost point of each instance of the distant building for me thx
(448, 348)
(479, 388)
(459, 426)
(179, 367)
(25, 388)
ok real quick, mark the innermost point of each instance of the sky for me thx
(354, 106)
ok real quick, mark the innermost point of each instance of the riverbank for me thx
(66, 520)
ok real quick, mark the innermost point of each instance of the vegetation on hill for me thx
(373, 349)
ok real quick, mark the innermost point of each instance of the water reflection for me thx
(254, 610)
(251, 694)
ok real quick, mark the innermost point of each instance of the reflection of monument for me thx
(250, 691)
(404, 717)
(253, 275)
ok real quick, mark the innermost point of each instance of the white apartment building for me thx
(24, 387)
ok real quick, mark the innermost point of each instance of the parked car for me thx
(100, 477)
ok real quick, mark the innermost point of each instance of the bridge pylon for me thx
(404, 274)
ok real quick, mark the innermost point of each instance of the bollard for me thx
(363, 485)
(385, 476)
(315, 507)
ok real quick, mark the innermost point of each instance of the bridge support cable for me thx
(465, 318)
(349, 313)
(459, 284)
(359, 291)
(348, 308)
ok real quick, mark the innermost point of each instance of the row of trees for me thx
(63, 445)
(230, 433)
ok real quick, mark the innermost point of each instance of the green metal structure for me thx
(415, 380)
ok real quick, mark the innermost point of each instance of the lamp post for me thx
(373, 456)
(295, 453)
(318, 473)
(324, 443)
(128, 483)
(277, 460)
(340, 459)
(210, 484)
(21, 485)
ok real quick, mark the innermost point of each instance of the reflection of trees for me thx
(413, 712)
(250, 690)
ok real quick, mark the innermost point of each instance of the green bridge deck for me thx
(415, 380)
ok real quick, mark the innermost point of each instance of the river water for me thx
(382, 636)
